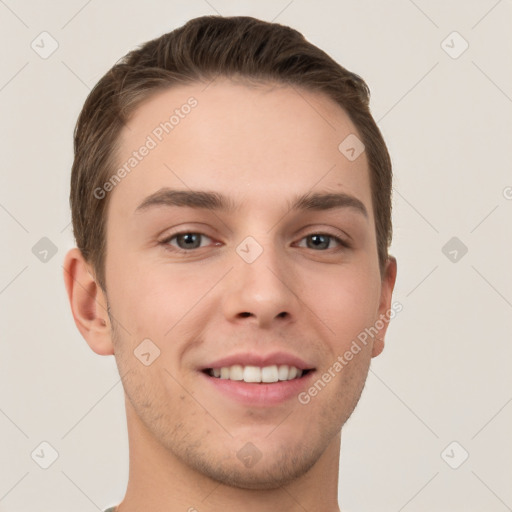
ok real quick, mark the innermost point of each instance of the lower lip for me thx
(260, 394)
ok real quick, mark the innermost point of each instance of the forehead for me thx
(261, 143)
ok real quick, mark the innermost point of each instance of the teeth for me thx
(251, 373)
(269, 374)
(236, 372)
(266, 374)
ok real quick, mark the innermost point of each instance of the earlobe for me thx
(88, 303)
(378, 346)
(388, 284)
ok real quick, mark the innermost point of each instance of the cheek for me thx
(346, 302)
(155, 300)
(136, 288)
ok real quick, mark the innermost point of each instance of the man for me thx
(231, 204)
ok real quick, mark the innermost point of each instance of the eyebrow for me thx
(215, 201)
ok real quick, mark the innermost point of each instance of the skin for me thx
(260, 146)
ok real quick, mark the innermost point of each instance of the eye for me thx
(186, 241)
(322, 241)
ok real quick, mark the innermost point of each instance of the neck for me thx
(160, 482)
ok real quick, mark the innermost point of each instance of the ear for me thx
(386, 294)
(88, 303)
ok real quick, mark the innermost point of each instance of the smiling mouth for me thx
(257, 374)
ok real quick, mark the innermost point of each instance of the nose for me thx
(260, 291)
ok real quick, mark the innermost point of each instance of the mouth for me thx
(257, 374)
(255, 380)
(260, 380)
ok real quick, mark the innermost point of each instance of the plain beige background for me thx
(444, 375)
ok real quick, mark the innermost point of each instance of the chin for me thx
(268, 470)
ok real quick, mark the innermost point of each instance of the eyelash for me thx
(167, 246)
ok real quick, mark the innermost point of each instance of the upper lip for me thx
(254, 359)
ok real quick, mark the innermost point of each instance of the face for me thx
(215, 261)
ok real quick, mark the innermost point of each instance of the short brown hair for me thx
(199, 51)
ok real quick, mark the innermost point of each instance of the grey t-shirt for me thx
(111, 509)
